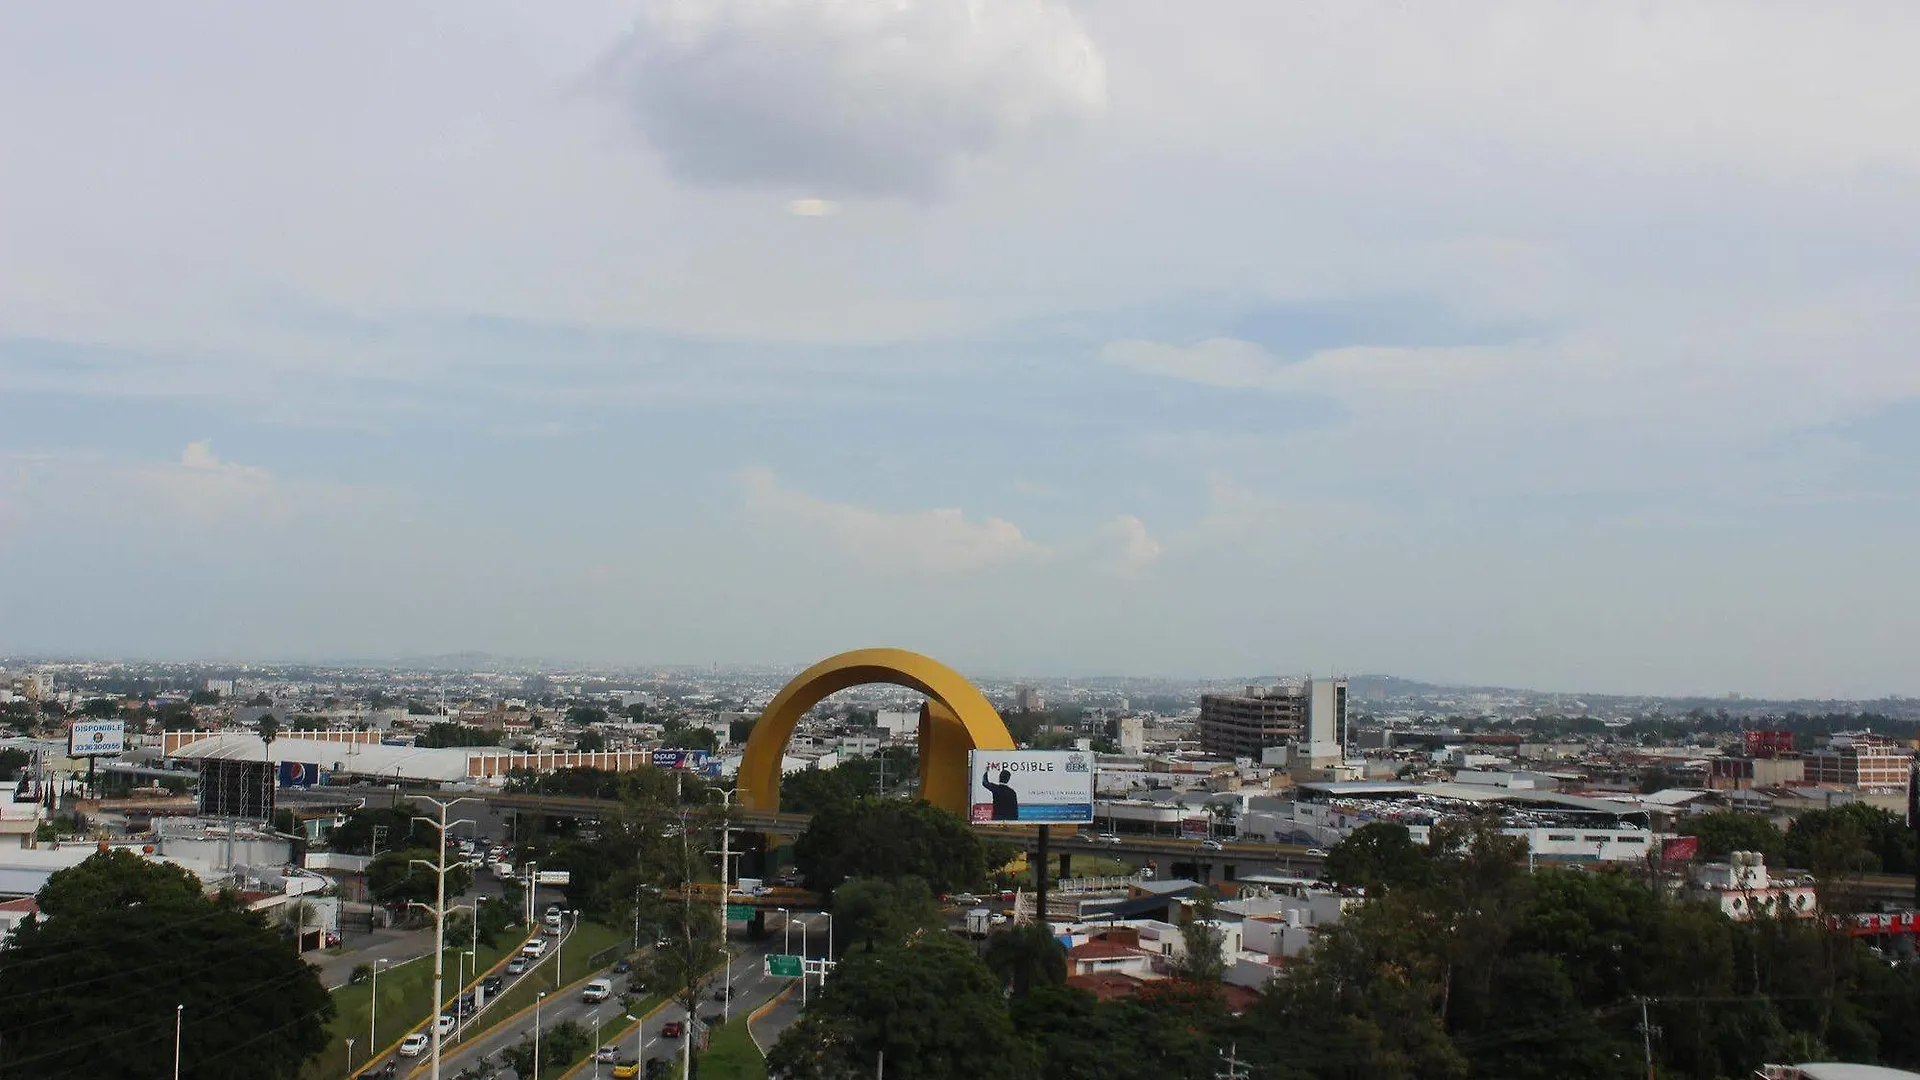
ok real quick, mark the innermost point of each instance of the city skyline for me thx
(1556, 346)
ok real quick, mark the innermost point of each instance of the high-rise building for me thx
(1307, 716)
(1028, 699)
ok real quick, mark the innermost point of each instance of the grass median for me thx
(731, 1054)
(406, 995)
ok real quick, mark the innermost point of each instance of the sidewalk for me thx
(392, 945)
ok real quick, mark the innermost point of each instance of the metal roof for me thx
(379, 759)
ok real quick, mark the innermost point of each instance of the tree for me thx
(395, 825)
(931, 1006)
(680, 736)
(1724, 831)
(1026, 958)
(875, 837)
(394, 877)
(1201, 960)
(875, 912)
(586, 715)
(269, 730)
(560, 1047)
(590, 742)
(11, 761)
(1855, 837)
(252, 1007)
(442, 733)
(739, 731)
(1378, 857)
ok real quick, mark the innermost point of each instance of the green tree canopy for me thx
(931, 1006)
(1379, 856)
(450, 733)
(1026, 958)
(121, 941)
(1724, 831)
(395, 878)
(891, 838)
(876, 911)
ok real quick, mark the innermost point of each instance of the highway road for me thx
(751, 988)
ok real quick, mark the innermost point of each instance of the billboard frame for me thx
(1038, 787)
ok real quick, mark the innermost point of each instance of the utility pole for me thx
(439, 909)
(726, 891)
(1647, 1031)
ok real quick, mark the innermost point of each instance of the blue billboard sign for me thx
(299, 773)
(680, 759)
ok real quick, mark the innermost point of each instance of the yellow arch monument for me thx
(956, 718)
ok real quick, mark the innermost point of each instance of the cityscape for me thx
(959, 540)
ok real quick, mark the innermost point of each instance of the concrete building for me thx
(1028, 699)
(1308, 715)
(1861, 760)
(1742, 889)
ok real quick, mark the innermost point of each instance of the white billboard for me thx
(1031, 787)
(96, 738)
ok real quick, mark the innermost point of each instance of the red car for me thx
(670, 1029)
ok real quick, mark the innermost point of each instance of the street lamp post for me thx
(536, 1032)
(439, 909)
(786, 930)
(178, 1012)
(350, 1055)
(803, 963)
(594, 1019)
(373, 1013)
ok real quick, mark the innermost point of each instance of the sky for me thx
(1550, 344)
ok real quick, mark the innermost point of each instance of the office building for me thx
(1862, 760)
(1307, 715)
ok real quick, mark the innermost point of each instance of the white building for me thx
(1742, 889)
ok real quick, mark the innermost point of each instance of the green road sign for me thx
(739, 912)
(780, 966)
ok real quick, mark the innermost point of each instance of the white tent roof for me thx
(378, 759)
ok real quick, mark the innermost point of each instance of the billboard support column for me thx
(1040, 880)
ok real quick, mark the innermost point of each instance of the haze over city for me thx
(1478, 343)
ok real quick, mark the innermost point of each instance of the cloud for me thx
(850, 97)
(1137, 547)
(940, 541)
(1222, 362)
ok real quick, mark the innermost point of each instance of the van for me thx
(597, 991)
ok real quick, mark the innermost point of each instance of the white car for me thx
(1109, 838)
(445, 1024)
(1213, 845)
(597, 991)
(414, 1045)
(608, 1052)
(536, 948)
(1316, 853)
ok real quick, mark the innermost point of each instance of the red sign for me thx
(1766, 744)
(1680, 849)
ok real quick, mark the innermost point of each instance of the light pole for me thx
(460, 1014)
(786, 930)
(439, 909)
(542, 996)
(178, 1012)
(639, 1030)
(373, 1014)
(350, 1056)
(594, 1019)
(803, 963)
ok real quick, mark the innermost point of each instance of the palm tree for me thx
(269, 731)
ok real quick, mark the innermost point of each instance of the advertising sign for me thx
(1680, 849)
(299, 773)
(96, 738)
(1031, 787)
(679, 759)
(1766, 744)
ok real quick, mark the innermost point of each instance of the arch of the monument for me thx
(956, 718)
